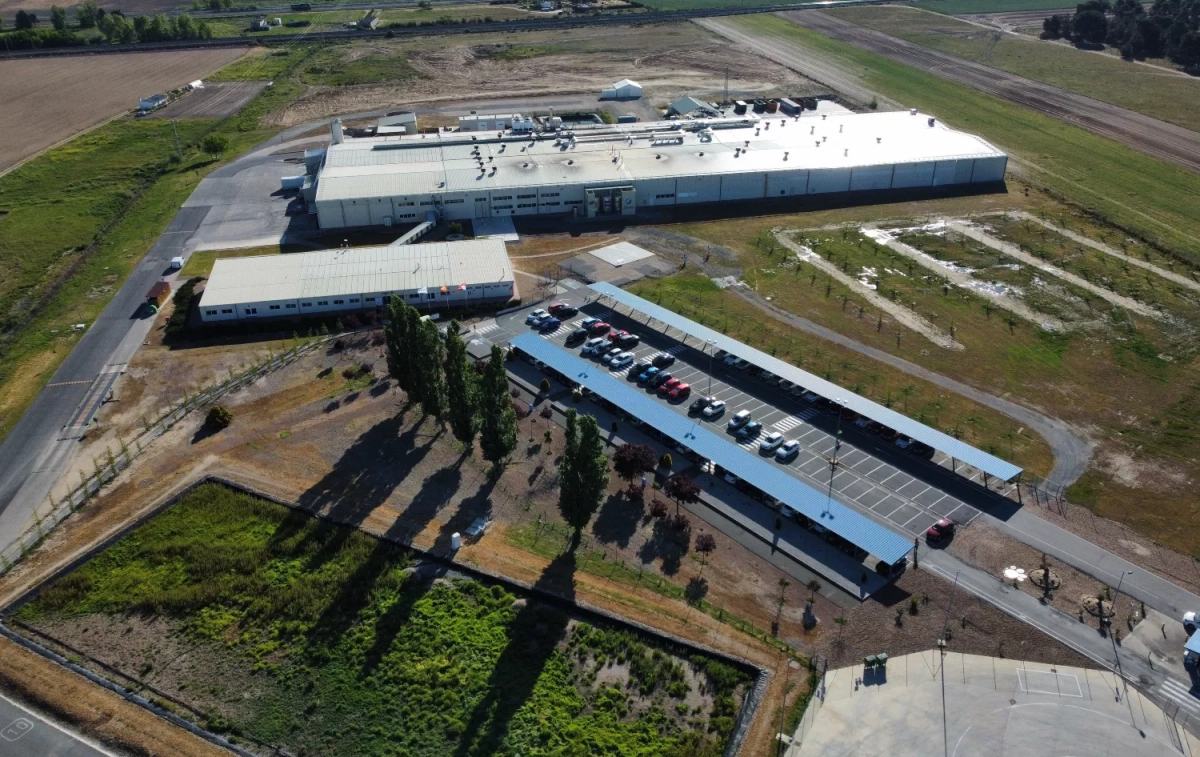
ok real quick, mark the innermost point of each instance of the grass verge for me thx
(1149, 197)
(1104, 78)
(347, 648)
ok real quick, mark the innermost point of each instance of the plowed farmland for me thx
(49, 100)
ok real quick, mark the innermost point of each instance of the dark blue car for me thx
(550, 324)
(648, 374)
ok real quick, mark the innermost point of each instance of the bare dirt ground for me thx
(667, 61)
(355, 454)
(1148, 135)
(87, 90)
(216, 100)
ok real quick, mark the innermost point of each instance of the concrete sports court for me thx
(995, 707)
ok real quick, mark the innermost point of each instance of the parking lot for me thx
(862, 478)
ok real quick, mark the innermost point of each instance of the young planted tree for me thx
(706, 544)
(461, 389)
(570, 492)
(591, 469)
(429, 370)
(58, 17)
(215, 145)
(497, 419)
(682, 489)
(632, 460)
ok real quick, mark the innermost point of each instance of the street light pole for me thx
(712, 348)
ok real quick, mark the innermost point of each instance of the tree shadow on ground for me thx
(370, 469)
(665, 543)
(478, 505)
(696, 590)
(387, 625)
(533, 637)
(354, 595)
(618, 520)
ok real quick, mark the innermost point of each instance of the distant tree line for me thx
(114, 27)
(1171, 29)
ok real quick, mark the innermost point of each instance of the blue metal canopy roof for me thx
(841, 520)
(962, 451)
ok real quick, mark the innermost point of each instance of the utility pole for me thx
(175, 131)
(726, 85)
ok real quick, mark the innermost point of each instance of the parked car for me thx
(920, 449)
(741, 365)
(873, 428)
(769, 377)
(554, 307)
(787, 512)
(902, 441)
(615, 335)
(536, 315)
(772, 442)
(638, 367)
(680, 392)
(576, 336)
(599, 327)
(664, 359)
(562, 310)
(621, 360)
(660, 378)
(730, 359)
(786, 385)
(668, 385)
(739, 419)
(940, 531)
(888, 434)
(797, 391)
(648, 374)
(750, 430)
(788, 451)
(810, 397)
(594, 345)
(549, 324)
(588, 322)
(628, 341)
(700, 404)
(715, 408)
(862, 422)
(610, 355)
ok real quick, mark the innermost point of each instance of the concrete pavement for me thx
(26, 734)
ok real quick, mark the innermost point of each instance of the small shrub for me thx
(914, 605)
(547, 412)
(658, 509)
(350, 372)
(218, 418)
(545, 386)
(665, 461)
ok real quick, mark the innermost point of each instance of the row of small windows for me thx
(352, 300)
(527, 197)
(526, 204)
(665, 196)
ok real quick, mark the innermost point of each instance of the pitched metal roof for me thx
(838, 518)
(962, 451)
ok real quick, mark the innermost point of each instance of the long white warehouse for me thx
(435, 275)
(622, 169)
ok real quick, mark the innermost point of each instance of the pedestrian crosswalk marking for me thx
(787, 423)
(675, 349)
(485, 329)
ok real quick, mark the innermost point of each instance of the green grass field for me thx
(116, 190)
(348, 652)
(1175, 99)
(1147, 196)
(964, 7)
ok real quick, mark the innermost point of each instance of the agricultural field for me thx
(87, 90)
(964, 7)
(283, 630)
(335, 19)
(1148, 197)
(1171, 98)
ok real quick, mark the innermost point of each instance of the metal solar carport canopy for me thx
(963, 452)
(846, 523)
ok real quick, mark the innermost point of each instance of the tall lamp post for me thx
(712, 349)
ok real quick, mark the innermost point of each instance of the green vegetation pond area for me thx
(293, 632)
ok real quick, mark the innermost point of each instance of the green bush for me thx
(665, 461)
(177, 325)
(218, 418)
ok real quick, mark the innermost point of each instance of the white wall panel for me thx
(787, 183)
(989, 169)
(912, 175)
(871, 177)
(743, 186)
(825, 180)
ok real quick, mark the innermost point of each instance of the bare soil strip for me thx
(1016, 252)
(902, 314)
(1142, 133)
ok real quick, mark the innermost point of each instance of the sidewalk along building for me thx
(430, 276)
(623, 169)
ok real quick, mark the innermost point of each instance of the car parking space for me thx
(859, 478)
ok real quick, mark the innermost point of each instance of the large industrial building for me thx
(435, 275)
(591, 171)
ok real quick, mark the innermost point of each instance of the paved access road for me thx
(1142, 133)
(26, 734)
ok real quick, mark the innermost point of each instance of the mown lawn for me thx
(354, 652)
(1150, 197)
(1108, 79)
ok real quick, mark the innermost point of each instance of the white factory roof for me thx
(421, 164)
(359, 270)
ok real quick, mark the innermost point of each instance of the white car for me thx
(593, 345)
(536, 316)
(741, 418)
(621, 360)
(610, 356)
(714, 409)
(771, 443)
(787, 450)
(787, 511)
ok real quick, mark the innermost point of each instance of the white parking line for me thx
(1180, 695)
(788, 423)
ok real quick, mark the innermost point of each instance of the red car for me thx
(599, 328)
(680, 391)
(940, 531)
(615, 335)
(668, 385)
(553, 309)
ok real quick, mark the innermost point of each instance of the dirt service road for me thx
(1148, 135)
